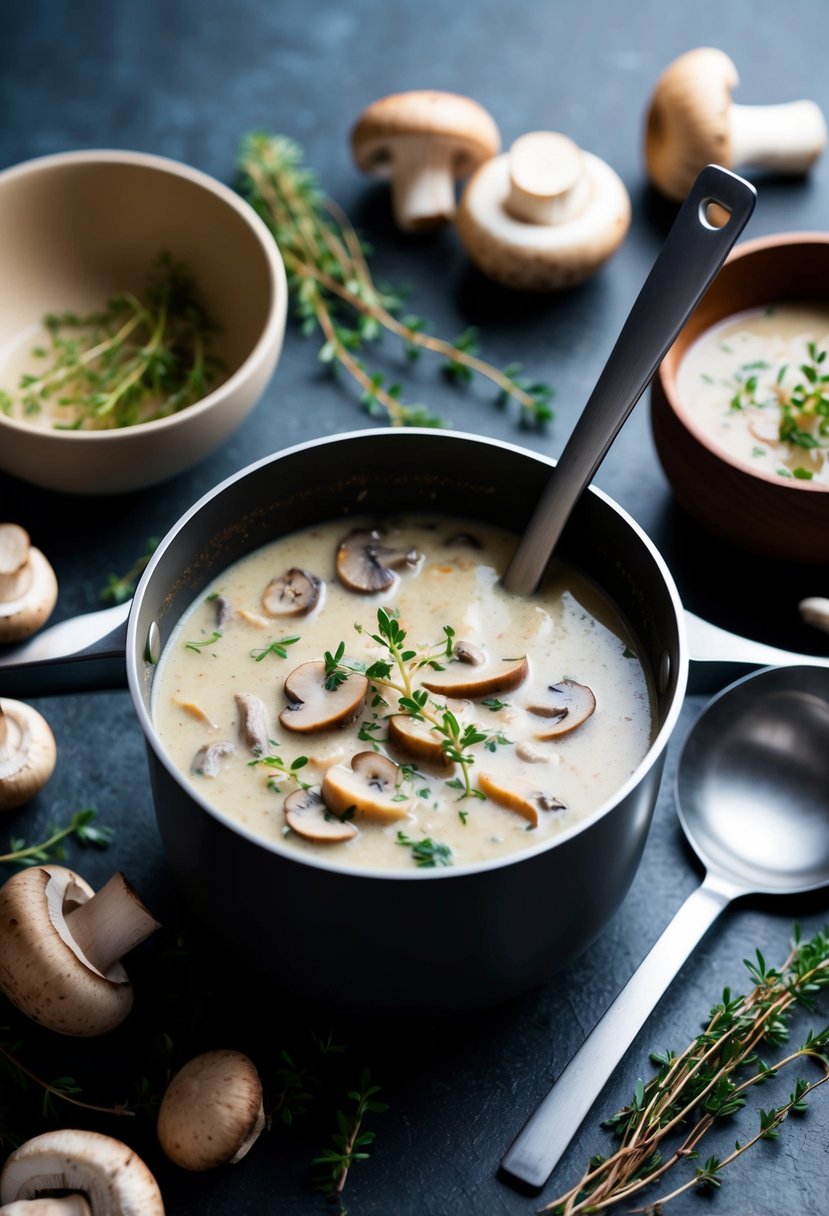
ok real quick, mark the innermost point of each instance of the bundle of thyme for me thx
(333, 289)
(711, 1081)
(134, 360)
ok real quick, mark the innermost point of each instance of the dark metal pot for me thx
(433, 941)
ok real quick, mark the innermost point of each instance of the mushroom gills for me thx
(308, 816)
(365, 565)
(569, 705)
(522, 797)
(294, 593)
(313, 706)
(369, 789)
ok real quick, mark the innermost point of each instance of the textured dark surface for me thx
(187, 80)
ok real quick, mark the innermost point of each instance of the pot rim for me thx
(135, 648)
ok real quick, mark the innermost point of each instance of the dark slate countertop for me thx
(187, 80)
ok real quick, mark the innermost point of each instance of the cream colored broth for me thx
(737, 377)
(566, 631)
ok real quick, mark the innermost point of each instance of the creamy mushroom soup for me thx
(758, 385)
(377, 699)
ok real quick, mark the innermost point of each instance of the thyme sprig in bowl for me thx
(140, 392)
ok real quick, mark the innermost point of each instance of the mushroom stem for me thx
(422, 185)
(63, 1205)
(547, 182)
(787, 137)
(110, 924)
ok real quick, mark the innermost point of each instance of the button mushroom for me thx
(423, 141)
(369, 789)
(691, 121)
(211, 1113)
(28, 587)
(294, 593)
(60, 945)
(308, 815)
(418, 740)
(364, 565)
(27, 753)
(313, 706)
(83, 1173)
(543, 216)
(522, 797)
(457, 680)
(468, 652)
(566, 705)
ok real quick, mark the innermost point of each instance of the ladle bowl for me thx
(752, 792)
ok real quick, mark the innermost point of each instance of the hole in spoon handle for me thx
(708, 223)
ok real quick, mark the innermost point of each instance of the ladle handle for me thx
(536, 1150)
(690, 258)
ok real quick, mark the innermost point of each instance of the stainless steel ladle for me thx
(752, 793)
(714, 213)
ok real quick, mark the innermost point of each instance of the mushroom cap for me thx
(367, 790)
(28, 753)
(459, 120)
(565, 707)
(294, 593)
(111, 1177)
(687, 124)
(211, 1112)
(542, 256)
(365, 566)
(460, 679)
(28, 586)
(312, 706)
(42, 970)
(308, 815)
(520, 796)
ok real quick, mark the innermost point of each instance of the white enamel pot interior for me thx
(430, 941)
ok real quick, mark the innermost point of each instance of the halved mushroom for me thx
(28, 587)
(294, 593)
(253, 722)
(418, 739)
(27, 753)
(60, 946)
(369, 789)
(566, 705)
(364, 565)
(456, 680)
(212, 1111)
(207, 761)
(312, 706)
(522, 797)
(308, 815)
(78, 1173)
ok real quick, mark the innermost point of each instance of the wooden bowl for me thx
(79, 227)
(758, 511)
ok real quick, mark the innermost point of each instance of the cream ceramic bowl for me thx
(79, 227)
(758, 511)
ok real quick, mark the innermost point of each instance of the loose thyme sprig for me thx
(350, 1142)
(66, 1089)
(81, 826)
(397, 674)
(334, 290)
(710, 1081)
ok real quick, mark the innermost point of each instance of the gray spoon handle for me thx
(536, 1150)
(690, 258)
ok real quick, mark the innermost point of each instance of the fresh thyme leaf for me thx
(334, 291)
(199, 646)
(81, 826)
(350, 1142)
(277, 647)
(119, 588)
(426, 853)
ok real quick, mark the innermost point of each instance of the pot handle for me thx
(82, 654)
(719, 657)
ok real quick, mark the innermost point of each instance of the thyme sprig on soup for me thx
(757, 385)
(344, 692)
